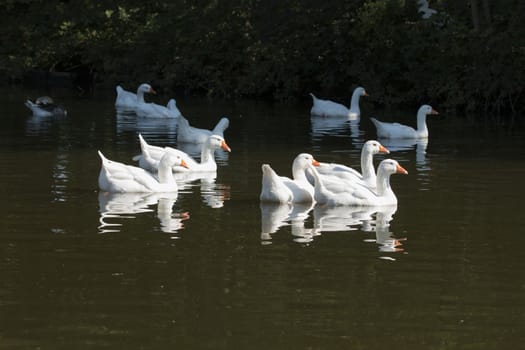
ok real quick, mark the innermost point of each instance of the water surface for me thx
(212, 267)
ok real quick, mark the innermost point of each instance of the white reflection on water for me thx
(38, 125)
(336, 126)
(381, 226)
(422, 164)
(127, 205)
(213, 194)
(148, 127)
(340, 218)
(61, 175)
(396, 145)
(274, 216)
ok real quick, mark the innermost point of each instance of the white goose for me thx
(149, 109)
(327, 108)
(367, 176)
(152, 155)
(361, 196)
(189, 134)
(400, 131)
(129, 100)
(119, 177)
(44, 106)
(282, 189)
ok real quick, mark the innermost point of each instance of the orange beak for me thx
(151, 91)
(401, 170)
(365, 94)
(225, 146)
(315, 163)
(434, 111)
(184, 164)
(383, 149)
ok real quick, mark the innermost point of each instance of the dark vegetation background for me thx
(469, 58)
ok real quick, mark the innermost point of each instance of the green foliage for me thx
(279, 49)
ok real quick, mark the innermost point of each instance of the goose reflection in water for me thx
(399, 145)
(341, 218)
(422, 163)
(127, 205)
(336, 126)
(148, 127)
(213, 194)
(276, 215)
(381, 227)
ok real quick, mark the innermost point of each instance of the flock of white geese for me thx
(336, 184)
(312, 181)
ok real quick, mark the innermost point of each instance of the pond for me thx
(214, 268)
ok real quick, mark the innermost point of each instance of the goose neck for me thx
(422, 123)
(140, 95)
(367, 165)
(354, 103)
(383, 183)
(207, 154)
(165, 173)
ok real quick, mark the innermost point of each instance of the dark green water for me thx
(213, 269)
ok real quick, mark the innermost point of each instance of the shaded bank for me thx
(462, 59)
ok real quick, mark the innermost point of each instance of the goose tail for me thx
(221, 126)
(104, 159)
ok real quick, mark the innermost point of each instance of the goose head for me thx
(303, 161)
(360, 91)
(146, 88)
(426, 110)
(171, 159)
(216, 142)
(374, 147)
(390, 166)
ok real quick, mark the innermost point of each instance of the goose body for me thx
(367, 177)
(151, 155)
(119, 177)
(149, 109)
(282, 189)
(400, 131)
(44, 106)
(173, 111)
(327, 108)
(273, 187)
(189, 134)
(152, 110)
(125, 100)
(361, 195)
